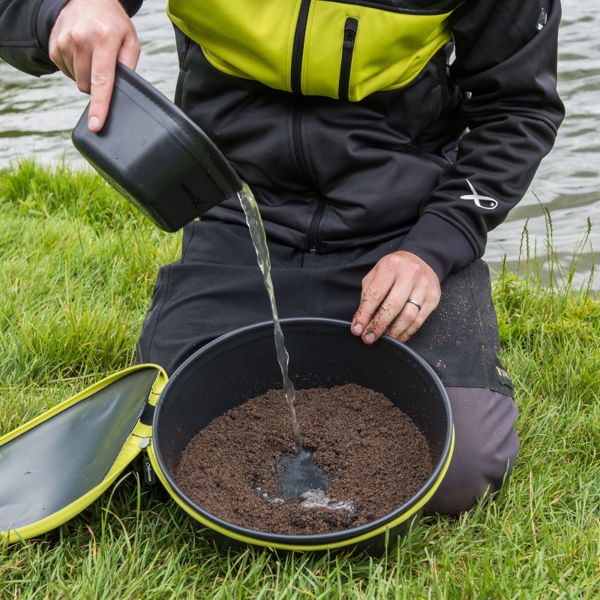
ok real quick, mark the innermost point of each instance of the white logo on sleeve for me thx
(480, 201)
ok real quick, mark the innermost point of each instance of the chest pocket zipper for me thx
(350, 28)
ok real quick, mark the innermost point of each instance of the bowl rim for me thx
(304, 539)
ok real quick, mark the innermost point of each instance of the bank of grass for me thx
(78, 265)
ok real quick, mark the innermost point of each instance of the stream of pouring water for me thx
(299, 476)
(257, 233)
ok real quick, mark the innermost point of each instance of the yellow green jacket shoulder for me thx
(328, 48)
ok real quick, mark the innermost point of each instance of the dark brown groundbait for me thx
(374, 455)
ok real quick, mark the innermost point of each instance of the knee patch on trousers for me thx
(486, 447)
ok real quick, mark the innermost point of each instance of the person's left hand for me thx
(386, 289)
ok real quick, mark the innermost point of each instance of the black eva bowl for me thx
(155, 156)
(323, 353)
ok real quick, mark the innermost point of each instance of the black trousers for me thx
(217, 287)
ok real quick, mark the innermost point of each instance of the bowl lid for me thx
(56, 465)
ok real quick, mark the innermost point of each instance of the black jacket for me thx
(398, 165)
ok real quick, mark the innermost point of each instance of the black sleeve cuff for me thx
(441, 245)
(46, 17)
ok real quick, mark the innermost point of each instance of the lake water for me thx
(38, 114)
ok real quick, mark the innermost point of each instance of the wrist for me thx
(441, 245)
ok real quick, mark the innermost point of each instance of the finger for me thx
(386, 314)
(358, 326)
(376, 286)
(66, 67)
(429, 305)
(101, 85)
(130, 50)
(60, 54)
(411, 319)
(82, 71)
(411, 329)
(407, 322)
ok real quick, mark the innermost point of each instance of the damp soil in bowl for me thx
(373, 455)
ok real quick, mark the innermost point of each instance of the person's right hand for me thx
(87, 40)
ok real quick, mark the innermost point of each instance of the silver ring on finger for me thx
(413, 301)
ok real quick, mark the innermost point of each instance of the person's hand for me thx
(386, 290)
(87, 40)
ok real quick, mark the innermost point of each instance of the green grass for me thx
(78, 265)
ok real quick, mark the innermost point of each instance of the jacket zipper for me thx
(298, 47)
(296, 84)
(350, 28)
(312, 236)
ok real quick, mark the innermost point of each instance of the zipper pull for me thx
(350, 29)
